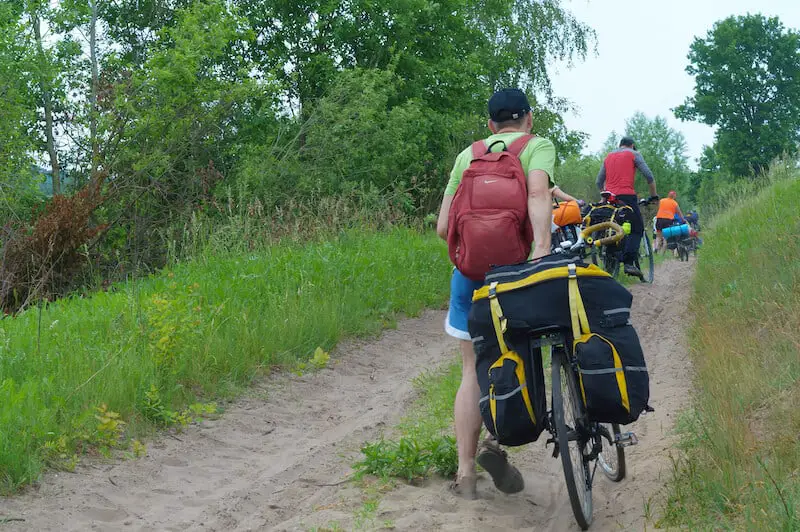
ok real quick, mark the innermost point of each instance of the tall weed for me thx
(740, 466)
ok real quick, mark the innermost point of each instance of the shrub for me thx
(40, 259)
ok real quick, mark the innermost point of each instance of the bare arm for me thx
(561, 195)
(444, 214)
(540, 211)
(652, 185)
(681, 215)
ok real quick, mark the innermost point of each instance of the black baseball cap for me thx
(508, 104)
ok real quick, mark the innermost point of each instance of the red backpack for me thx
(488, 223)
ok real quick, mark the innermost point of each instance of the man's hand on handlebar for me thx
(647, 201)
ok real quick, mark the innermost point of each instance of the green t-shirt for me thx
(539, 154)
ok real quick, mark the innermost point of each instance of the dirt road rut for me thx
(276, 463)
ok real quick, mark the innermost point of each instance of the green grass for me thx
(200, 330)
(425, 443)
(739, 466)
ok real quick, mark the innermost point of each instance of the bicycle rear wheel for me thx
(569, 417)
(612, 457)
(610, 261)
(646, 260)
(684, 251)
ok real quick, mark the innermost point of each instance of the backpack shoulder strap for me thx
(478, 149)
(518, 145)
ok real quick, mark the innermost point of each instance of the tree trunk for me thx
(93, 93)
(47, 103)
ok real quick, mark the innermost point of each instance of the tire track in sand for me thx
(275, 463)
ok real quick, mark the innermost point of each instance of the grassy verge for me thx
(87, 374)
(740, 465)
(424, 442)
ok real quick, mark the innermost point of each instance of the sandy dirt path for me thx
(275, 460)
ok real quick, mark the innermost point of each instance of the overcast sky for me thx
(640, 61)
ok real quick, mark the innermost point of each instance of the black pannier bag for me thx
(520, 299)
(513, 404)
(605, 212)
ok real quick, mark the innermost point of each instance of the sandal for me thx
(466, 487)
(494, 460)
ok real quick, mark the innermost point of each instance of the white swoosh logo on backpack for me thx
(487, 181)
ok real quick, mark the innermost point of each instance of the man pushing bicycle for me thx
(617, 175)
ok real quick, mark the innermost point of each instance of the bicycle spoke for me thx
(571, 438)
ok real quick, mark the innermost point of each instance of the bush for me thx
(39, 260)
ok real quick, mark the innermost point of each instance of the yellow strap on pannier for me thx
(580, 322)
(580, 328)
(500, 324)
(553, 273)
(498, 319)
(523, 383)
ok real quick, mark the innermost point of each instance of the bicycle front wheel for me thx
(612, 457)
(571, 437)
(647, 263)
(610, 261)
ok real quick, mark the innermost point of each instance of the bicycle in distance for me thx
(609, 257)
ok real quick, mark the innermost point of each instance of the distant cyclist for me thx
(668, 213)
(617, 175)
(693, 219)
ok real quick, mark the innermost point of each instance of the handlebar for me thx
(585, 238)
(648, 201)
(617, 234)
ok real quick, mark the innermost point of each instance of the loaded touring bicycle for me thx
(576, 313)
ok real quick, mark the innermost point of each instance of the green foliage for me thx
(408, 458)
(423, 447)
(154, 410)
(718, 191)
(17, 182)
(577, 176)
(747, 83)
(258, 309)
(448, 53)
(108, 430)
(186, 104)
(740, 457)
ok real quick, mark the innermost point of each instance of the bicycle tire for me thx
(683, 253)
(649, 257)
(575, 475)
(610, 262)
(615, 471)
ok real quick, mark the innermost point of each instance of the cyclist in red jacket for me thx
(617, 175)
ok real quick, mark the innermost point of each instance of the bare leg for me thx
(660, 244)
(467, 412)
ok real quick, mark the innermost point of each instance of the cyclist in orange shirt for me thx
(665, 217)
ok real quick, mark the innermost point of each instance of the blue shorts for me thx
(461, 289)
